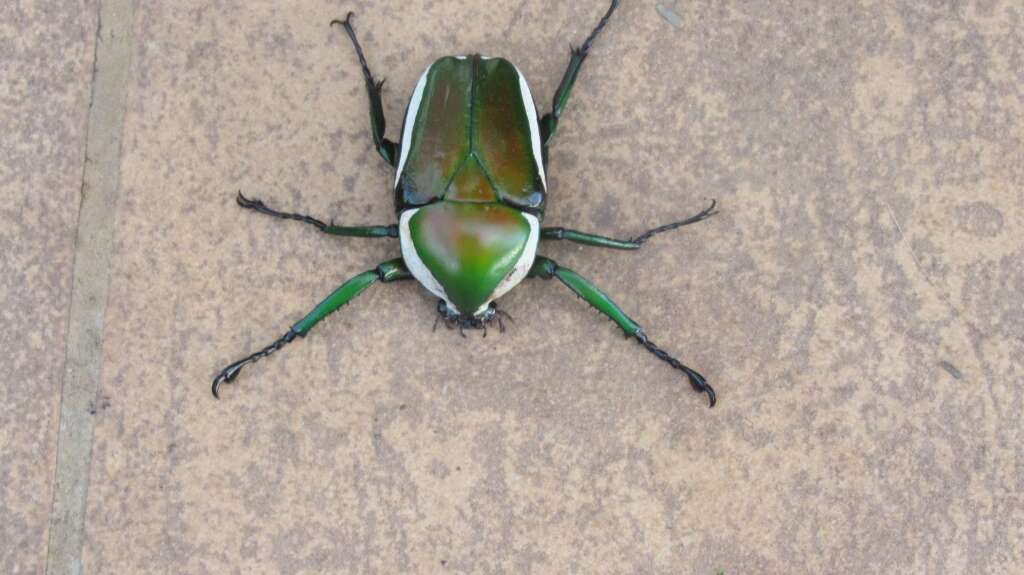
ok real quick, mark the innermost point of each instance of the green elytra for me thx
(470, 190)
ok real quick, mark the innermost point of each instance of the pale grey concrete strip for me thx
(46, 68)
(84, 361)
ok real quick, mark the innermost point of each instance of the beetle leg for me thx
(549, 123)
(389, 271)
(545, 268)
(385, 147)
(630, 244)
(390, 231)
(505, 314)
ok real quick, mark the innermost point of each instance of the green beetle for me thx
(470, 190)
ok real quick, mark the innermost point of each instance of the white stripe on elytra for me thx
(410, 122)
(531, 114)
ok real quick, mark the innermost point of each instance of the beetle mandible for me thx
(470, 189)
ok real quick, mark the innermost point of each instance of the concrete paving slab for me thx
(855, 303)
(46, 52)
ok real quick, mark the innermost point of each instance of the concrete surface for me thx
(46, 55)
(856, 304)
(91, 283)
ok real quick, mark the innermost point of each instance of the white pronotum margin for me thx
(423, 275)
(522, 266)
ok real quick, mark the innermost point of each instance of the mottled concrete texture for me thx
(46, 51)
(856, 304)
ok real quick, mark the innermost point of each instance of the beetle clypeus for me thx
(470, 189)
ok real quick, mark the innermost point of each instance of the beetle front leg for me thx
(389, 231)
(630, 244)
(385, 147)
(546, 269)
(549, 123)
(389, 271)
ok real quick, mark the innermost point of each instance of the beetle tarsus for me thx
(388, 231)
(259, 206)
(347, 25)
(585, 48)
(697, 381)
(703, 215)
(229, 373)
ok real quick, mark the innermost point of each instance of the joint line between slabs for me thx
(83, 360)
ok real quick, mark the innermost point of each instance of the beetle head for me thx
(454, 318)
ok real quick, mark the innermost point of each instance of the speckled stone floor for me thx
(857, 303)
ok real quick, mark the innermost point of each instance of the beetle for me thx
(470, 190)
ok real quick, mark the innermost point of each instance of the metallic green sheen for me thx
(339, 297)
(439, 140)
(471, 140)
(389, 271)
(546, 269)
(469, 247)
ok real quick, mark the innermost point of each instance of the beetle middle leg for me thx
(390, 231)
(545, 268)
(385, 147)
(549, 123)
(630, 244)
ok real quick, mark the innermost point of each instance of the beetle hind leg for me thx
(549, 123)
(385, 147)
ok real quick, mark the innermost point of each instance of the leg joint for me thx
(392, 270)
(543, 268)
